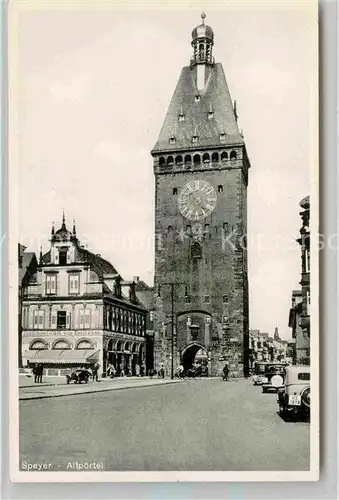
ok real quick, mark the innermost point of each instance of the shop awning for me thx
(62, 356)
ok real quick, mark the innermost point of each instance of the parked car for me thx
(259, 372)
(274, 377)
(25, 372)
(78, 376)
(295, 397)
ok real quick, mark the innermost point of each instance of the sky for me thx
(93, 91)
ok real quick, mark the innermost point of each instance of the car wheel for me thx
(67, 381)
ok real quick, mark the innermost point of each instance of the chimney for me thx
(136, 279)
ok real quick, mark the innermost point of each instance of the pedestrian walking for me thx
(225, 372)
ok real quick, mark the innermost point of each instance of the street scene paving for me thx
(202, 424)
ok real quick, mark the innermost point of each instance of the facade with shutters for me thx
(77, 310)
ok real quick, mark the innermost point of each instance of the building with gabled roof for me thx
(77, 310)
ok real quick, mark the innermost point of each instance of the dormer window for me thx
(197, 98)
(210, 115)
(172, 140)
(195, 139)
(62, 257)
(222, 137)
(181, 118)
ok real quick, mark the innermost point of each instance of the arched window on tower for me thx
(178, 160)
(215, 157)
(196, 159)
(206, 158)
(224, 156)
(196, 252)
(188, 160)
(233, 155)
(170, 160)
(161, 161)
(220, 188)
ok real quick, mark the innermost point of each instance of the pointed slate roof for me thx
(214, 97)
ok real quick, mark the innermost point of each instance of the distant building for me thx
(27, 264)
(262, 347)
(299, 317)
(77, 310)
(145, 295)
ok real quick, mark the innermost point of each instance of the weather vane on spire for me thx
(203, 15)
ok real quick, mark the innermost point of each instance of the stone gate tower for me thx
(201, 176)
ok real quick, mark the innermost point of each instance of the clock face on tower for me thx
(197, 200)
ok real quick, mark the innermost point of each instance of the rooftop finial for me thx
(53, 230)
(63, 220)
(203, 15)
(74, 229)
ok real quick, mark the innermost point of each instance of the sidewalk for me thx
(46, 390)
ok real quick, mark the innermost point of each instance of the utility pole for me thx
(172, 285)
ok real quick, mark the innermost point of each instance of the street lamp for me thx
(172, 285)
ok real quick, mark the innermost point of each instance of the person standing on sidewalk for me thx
(95, 372)
(40, 371)
(35, 373)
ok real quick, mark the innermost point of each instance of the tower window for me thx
(170, 229)
(188, 159)
(220, 188)
(172, 140)
(196, 159)
(233, 155)
(161, 161)
(196, 252)
(206, 158)
(195, 139)
(197, 98)
(170, 160)
(207, 299)
(225, 227)
(224, 156)
(225, 299)
(175, 191)
(178, 160)
(215, 157)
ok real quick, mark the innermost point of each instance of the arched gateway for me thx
(194, 353)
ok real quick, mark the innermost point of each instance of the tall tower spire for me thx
(202, 43)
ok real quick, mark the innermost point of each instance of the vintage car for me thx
(273, 378)
(259, 371)
(78, 376)
(295, 397)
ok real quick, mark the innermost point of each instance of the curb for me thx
(45, 396)
(37, 385)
